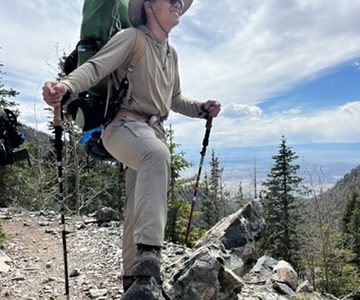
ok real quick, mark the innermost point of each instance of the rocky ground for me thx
(217, 268)
(34, 255)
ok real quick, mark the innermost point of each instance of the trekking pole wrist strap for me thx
(66, 97)
(204, 113)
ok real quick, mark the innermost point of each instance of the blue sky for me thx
(287, 67)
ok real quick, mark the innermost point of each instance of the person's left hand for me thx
(213, 107)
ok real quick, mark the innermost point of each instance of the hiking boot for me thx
(127, 280)
(144, 287)
(147, 261)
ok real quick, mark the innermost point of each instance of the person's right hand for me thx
(53, 91)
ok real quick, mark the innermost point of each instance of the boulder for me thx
(214, 269)
(237, 234)
(263, 264)
(284, 273)
(106, 214)
(305, 287)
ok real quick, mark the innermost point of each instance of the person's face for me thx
(168, 12)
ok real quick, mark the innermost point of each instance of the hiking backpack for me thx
(95, 108)
(10, 139)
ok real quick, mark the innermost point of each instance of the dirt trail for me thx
(36, 254)
(34, 245)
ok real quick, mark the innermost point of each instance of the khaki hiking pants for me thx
(141, 148)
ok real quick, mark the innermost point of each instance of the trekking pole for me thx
(58, 147)
(196, 186)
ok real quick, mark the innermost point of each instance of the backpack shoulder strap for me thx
(138, 51)
(137, 54)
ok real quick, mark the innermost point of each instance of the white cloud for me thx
(235, 110)
(351, 109)
(336, 125)
(293, 111)
(36, 34)
(240, 52)
(264, 47)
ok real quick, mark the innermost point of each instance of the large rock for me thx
(264, 264)
(284, 273)
(225, 252)
(106, 214)
(237, 234)
(270, 279)
(305, 287)
(203, 275)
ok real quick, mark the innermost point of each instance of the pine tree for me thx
(5, 94)
(239, 198)
(326, 257)
(208, 216)
(280, 203)
(23, 185)
(351, 225)
(7, 175)
(215, 199)
(5, 172)
(178, 207)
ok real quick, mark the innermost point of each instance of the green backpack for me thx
(101, 19)
(95, 108)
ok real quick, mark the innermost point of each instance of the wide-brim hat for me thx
(135, 8)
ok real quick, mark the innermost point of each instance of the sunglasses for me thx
(173, 2)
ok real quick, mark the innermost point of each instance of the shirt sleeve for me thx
(180, 103)
(115, 54)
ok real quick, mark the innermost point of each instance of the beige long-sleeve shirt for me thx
(154, 84)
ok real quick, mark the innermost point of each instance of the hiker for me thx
(10, 139)
(136, 136)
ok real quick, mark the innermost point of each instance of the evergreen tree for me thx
(351, 225)
(178, 206)
(239, 199)
(208, 216)
(325, 255)
(5, 94)
(215, 199)
(22, 185)
(281, 239)
(8, 176)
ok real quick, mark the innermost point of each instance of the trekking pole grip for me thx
(208, 126)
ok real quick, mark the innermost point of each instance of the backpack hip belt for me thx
(150, 119)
